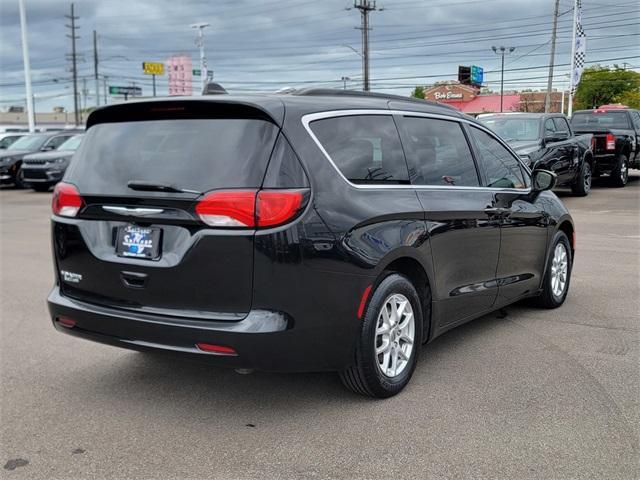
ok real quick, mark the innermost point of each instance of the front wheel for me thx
(19, 181)
(582, 185)
(389, 341)
(620, 173)
(555, 285)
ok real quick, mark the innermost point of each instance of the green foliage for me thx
(603, 85)
(418, 92)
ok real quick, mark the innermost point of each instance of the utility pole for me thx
(502, 51)
(203, 61)
(104, 86)
(95, 67)
(365, 6)
(85, 93)
(27, 67)
(74, 68)
(547, 98)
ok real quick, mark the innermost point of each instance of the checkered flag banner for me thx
(580, 49)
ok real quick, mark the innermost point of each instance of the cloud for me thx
(266, 45)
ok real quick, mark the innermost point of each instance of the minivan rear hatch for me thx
(137, 242)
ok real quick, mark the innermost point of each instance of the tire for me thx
(19, 180)
(582, 185)
(38, 187)
(552, 296)
(620, 173)
(366, 376)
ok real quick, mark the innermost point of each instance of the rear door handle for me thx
(497, 211)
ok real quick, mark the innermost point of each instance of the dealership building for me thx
(468, 99)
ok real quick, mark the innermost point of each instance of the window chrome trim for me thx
(311, 117)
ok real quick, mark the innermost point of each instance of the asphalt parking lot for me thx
(533, 394)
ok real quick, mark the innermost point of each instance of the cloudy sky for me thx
(265, 45)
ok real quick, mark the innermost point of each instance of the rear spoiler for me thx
(185, 108)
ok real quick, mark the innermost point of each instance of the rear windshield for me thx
(600, 120)
(193, 154)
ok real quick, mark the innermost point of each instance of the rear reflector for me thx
(66, 201)
(250, 208)
(363, 301)
(66, 322)
(611, 141)
(216, 349)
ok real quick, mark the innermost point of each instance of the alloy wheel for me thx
(559, 270)
(587, 178)
(395, 335)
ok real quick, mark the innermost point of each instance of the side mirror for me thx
(48, 148)
(543, 180)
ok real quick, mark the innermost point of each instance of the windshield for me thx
(193, 154)
(595, 119)
(511, 128)
(72, 144)
(29, 142)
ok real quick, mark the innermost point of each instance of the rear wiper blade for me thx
(143, 186)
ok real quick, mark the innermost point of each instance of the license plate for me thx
(138, 242)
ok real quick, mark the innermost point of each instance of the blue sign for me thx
(477, 75)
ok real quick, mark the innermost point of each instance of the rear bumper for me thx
(264, 340)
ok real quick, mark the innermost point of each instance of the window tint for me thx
(501, 167)
(365, 148)
(549, 127)
(561, 124)
(438, 153)
(636, 120)
(195, 154)
(599, 119)
(55, 142)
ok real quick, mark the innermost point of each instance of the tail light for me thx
(611, 141)
(593, 143)
(250, 208)
(66, 201)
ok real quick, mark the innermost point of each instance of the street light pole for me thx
(203, 61)
(27, 67)
(344, 82)
(502, 51)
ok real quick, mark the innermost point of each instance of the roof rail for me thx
(358, 93)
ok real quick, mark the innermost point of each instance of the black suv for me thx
(299, 232)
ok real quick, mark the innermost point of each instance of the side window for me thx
(55, 142)
(635, 116)
(501, 167)
(561, 125)
(438, 153)
(365, 148)
(549, 127)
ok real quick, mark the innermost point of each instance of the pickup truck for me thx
(546, 141)
(616, 135)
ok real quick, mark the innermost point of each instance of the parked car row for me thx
(598, 142)
(38, 160)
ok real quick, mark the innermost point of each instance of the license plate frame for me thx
(133, 241)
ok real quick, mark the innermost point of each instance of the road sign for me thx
(196, 72)
(126, 91)
(153, 68)
(477, 75)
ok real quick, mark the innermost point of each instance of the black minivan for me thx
(309, 231)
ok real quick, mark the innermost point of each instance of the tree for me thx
(603, 85)
(418, 92)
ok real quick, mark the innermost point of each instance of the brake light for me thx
(216, 349)
(229, 208)
(275, 207)
(249, 208)
(66, 201)
(611, 141)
